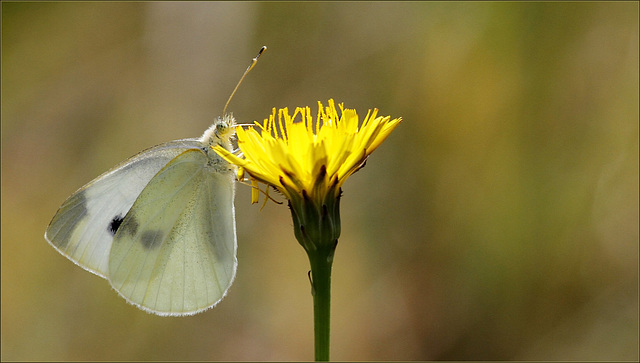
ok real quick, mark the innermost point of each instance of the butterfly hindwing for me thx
(84, 226)
(174, 253)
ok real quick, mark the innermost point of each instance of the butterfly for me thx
(160, 226)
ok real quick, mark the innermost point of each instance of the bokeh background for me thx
(499, 221)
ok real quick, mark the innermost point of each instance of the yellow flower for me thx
(304, 159)
(308, 162)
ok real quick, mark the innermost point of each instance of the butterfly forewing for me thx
(175, 250)
(85, 224)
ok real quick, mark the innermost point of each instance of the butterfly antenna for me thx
(253, 63)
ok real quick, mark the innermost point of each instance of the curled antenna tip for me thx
(253, 63)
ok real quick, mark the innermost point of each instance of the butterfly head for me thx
(221, 131)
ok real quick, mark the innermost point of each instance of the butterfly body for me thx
(160, 226)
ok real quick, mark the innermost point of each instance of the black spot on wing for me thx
(115, 224)
(151, 239)
(127, 224)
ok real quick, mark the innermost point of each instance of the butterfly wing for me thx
(84, 226)
(175, 251)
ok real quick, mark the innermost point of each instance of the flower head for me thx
(304, 159)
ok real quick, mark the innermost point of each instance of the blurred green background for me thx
(499, 221)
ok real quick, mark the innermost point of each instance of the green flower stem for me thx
(317, 228)
(321, 261)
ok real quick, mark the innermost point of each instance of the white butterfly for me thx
(160, 226)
